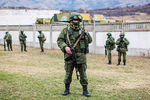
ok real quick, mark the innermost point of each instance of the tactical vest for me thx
(110, 43)
(83, 45)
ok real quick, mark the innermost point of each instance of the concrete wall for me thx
(139, 40)
(139, 43)
(23, 16)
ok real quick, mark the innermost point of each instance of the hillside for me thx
(71, 4)
(132, 10)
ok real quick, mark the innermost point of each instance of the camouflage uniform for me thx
(8, 39)
(110, 45)
(42, 39)
(74, 31)
(122, 48)
(22, 39)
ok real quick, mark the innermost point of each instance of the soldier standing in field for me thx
(42, 39)
(110, 45)
(75, 38)
(22, 39)
(8, 39)
(122, 48)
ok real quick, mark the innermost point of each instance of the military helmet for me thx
(122, 34)
(75, 16)
(6, 32)
(39, 31)
(109, 34)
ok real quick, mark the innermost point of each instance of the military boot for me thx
(109, 62)
(124, 63)
(25, 49)
(66, 92)
(118, 63)
(85, 91)
(42, 50)
(11, 48)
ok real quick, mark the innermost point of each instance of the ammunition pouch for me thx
(43, 39)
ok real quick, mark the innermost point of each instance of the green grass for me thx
(39, 76)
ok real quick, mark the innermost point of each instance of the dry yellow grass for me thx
(46, 71)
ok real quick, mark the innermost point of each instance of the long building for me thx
(24, 16)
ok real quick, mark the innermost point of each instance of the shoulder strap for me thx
(68, 36)
(70, 41)
(77, 41)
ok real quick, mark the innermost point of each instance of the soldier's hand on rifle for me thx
(86, 32)
(68, 50)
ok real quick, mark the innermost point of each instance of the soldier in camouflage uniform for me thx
(110, 45)
(122, 48)
(8, 39)
(22, 39)
(42, 39)
(73, 31)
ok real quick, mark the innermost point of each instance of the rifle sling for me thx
(70, 41)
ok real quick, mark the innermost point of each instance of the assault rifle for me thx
(74, 59)
(4, 45)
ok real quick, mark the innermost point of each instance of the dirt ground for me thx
(102, 77)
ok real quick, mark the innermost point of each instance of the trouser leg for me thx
(21, 47)
(83, 78)
(82, 71)
(124, 58)
(11, 45)
(25, 46)
(69, 70)
(41, 46)
(68, 77)
(119, 57)
(109, 56)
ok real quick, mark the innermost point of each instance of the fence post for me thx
(94, 38)
(50, 37)
(34, 32)
(18, 35)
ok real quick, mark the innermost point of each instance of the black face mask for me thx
(121, 37)
(75, 25)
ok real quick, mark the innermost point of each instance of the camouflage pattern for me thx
(122, 47)
(22, 39)
(75, 16)
(110, 45)
(8, 39)
(80, 51)
(42, 39)
(110, 42)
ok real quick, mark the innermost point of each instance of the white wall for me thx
(23, 16)
(139, 42)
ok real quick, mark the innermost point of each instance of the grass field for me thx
(39, 76)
